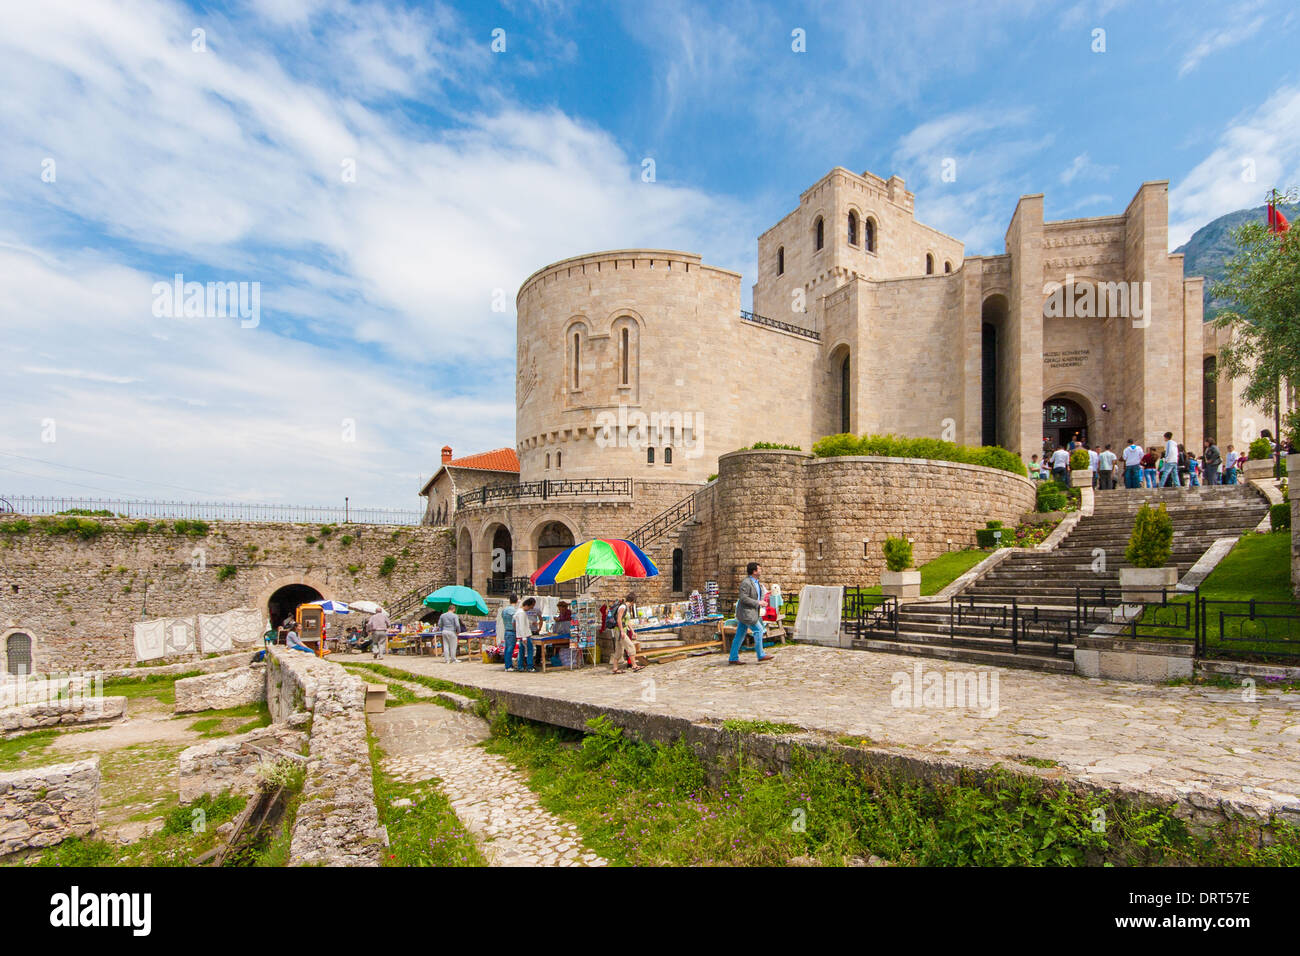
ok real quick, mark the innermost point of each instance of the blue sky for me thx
(378, 340)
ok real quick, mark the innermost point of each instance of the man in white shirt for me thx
(1133, 455)
(1170, 469)
(1230, 467)
(1093, 456)
(1060, 464)
(1106, 470)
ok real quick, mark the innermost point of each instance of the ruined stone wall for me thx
(78, 599)
(337, 822)
(230, 688)
(231, 763)
(46, 805)
(24, 718)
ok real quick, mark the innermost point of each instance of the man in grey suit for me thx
(749, 615)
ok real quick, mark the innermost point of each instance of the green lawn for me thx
(943, 570)
(1259, 568)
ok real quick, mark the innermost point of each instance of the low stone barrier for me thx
(206, 665)
(231, 763)
(46, 805)
(1113, 657)
(85, 710)
(337, 822)
(231, 688)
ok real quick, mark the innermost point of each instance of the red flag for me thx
(1276, 221)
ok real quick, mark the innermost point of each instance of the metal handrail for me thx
(783, 326)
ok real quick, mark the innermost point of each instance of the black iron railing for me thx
(1253, 628)
(866, 614)
(547, 489)
(783, 326)
(663, 522)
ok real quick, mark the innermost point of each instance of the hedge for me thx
(896, 446)
(1279, 516)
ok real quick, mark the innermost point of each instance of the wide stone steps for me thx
(914, 647)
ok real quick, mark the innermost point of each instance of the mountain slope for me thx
(1212, 246)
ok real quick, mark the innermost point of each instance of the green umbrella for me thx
(457, 597)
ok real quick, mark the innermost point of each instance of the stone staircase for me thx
(1043, 584)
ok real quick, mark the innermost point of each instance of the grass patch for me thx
(187, 832)
(764, 727)
(229, 720)
(426, 833)
(642, 804)
(161, 687)
(26, 749)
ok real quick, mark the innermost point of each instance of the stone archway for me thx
(1070, 415)
(300, 587)
(17, 652)
(497, 543)
(550, 538)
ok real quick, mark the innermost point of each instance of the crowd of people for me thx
(1168, 464)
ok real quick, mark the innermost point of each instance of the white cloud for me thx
(1238, 30)
(1257, 151)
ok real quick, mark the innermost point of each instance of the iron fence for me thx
(207, 510)
(864, 613)
(1248, 628)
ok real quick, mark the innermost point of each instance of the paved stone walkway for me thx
(426, 741)
(1168, 741)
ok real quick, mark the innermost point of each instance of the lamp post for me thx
(346, 514)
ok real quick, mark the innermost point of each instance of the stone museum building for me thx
(638, 369)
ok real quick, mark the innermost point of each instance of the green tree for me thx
(1262, 288)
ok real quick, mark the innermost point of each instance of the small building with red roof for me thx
(456, 476)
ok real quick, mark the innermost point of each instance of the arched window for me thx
(623, 359)
(558, 455)
(577, 361)
(548, 461)
(780, 260)
(677, 569)
(650, 455)
(947, 266)
(929, 264)
(819, 230)
(869, 235)
(668, 454)
(853, 228)
(846, 390)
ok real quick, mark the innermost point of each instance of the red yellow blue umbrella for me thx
(598, 556)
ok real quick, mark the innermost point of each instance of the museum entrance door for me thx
(1063, 420)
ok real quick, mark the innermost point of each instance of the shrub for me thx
(894, 446)
(1279, 516)
(191, 529)
(226, 572)
(1051, 497)
(345, 540)
(1080, 460)
(1152, 538)
(139, 527)
(773, 446)
(387, 566)
(17, 526)
(990, 536)
(898, 554)
(311, 539)
(1260, 449)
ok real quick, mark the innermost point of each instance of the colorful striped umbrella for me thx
(599, 556)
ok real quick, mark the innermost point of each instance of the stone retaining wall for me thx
(46, 805)
(231, 763)
(823, 520)
(232, 688)
(61, 713)
(337, 822)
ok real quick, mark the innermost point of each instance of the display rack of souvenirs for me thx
(711, 596)
(695, 609)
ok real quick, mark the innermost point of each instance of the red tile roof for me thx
(499, 459)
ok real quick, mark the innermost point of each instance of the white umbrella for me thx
(331, 607)
(369, 607)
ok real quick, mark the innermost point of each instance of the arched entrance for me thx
(502, 566)
(553, 538)
(18, 653)
(465, 558)
(992, 328)
(1064, 420)
(285, 600)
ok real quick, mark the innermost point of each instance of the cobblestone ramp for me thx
(425, 741)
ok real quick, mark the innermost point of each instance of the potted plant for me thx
(1080, 468)
(1148, 550)
(1259, 466)
(897, 581)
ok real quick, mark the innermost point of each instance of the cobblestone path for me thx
(426, 741)
(1184, 743)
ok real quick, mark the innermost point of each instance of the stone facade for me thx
(823, 520)
(231, 763)
(77, 600)
(337, 823)
(231, 688)
(46, 805)
(626, 352)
